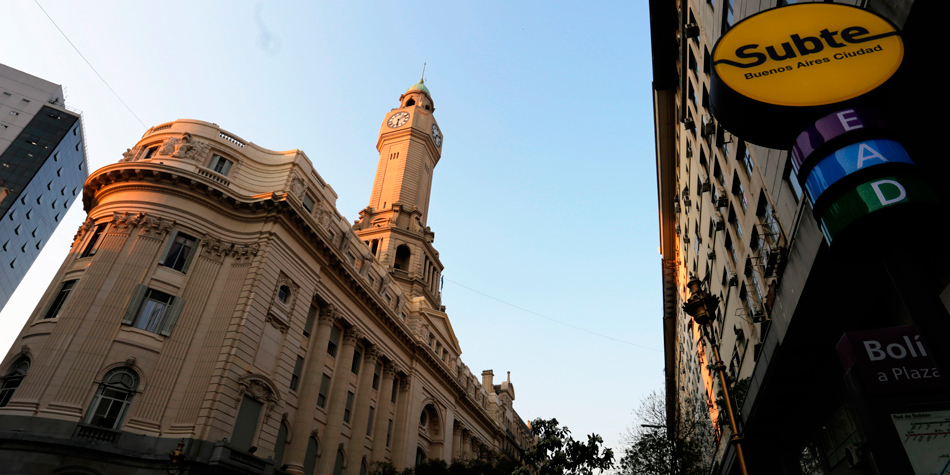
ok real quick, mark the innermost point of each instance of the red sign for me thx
(890, 360)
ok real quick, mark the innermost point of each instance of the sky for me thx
(544, 200)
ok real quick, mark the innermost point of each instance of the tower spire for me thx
(423, 80)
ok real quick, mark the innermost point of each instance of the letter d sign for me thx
(890, 186)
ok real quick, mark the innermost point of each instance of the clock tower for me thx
(394, 224)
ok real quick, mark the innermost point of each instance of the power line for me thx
(89, 64)
(551, 319)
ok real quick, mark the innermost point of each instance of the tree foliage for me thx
(557, 453)
(651, 451)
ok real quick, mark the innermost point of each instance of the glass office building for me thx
(42, 168)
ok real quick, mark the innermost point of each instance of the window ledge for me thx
(140, 338)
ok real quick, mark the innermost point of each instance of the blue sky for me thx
(545, 196)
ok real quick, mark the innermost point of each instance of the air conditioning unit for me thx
(676, 207)
(773, 259)
(733, 279)
(692, 30)
(758, 314)
(709, 126)
(722, 200)
(687, 202)
(720, 223)
(686, 239)
(677, 229)
(689, 124)
(703, 182)
(711, 254)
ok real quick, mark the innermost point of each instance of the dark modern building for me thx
(42, 168)
(823, 353)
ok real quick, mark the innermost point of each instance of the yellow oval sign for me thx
(808, 54)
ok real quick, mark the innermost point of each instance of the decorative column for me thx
(384, 407)
(361, 411)
(310, 391)
(457, 442)
(401, 432)
(331, 437)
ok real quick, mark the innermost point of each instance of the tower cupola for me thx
(418, 95)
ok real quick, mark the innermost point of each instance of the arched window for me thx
(338, 465)
(12, 380)
(410, 102)
(310, 458)
(402, 257)
(281, 443)
(113, 398)
(283, 293)
(420, 456)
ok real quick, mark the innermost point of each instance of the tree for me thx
(555, 452)
(650, 450)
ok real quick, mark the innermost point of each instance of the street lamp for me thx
(702, 306)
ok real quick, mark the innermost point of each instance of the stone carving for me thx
(297, 186)
(256, 389)
(168, 146)
(277, 323)
(125, 221)
(129, 154)
(405, 383)
(184, 148)
(352, 336)
(130, 361)
(329, 315)
(215, 247)
(25, 351)
(83, 229)
(372, 354)
(389, 371)
(156, 227)
(245, 251)
(282, 280)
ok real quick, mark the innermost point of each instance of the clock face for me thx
(398, 120)
(436, 135)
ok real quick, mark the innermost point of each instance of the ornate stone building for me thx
(215, 301)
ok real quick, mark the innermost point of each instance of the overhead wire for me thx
(551, 319)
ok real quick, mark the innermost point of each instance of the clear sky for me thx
(545, 196)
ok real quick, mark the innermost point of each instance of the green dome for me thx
(419, 86)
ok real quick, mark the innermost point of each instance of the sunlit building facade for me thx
(216, 302)
(734, 215)
(42, 169)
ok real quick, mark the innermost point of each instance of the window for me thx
(389, 432)
(324, 390)
(281, 443)
(92, 245)
(310, 459)
(357, 357)
(376, 377)
(179, 252)
(220, 164)
(149, 152)
(770, 226)
(153, 310)
(245, 427)
(308, 202)
(57, 305)
(12, 380)
(727, 15)
(283, 293)
(731, 248)
(334, 342)
(745, 156)
(392, 398)
(348, 410)
(739, 191)
(792, 178)
(113, 398)
(295, 376)
(311, 317)
(735, 222)
(369, 423)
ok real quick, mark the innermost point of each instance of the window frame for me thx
(168, 318)
(168, 252)
(15, 375)
(117, 387)
(92, 246)
(217, 159)
(60, 300)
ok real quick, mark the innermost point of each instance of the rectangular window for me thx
(308, 202)
(92, 245)
(739, 191)
(311, 317)
(392, 398)
(348, 410)
(60, 299)
(389, 432)
(153, 310)
(149, 152)
(295, 377)
(324, 390)
(746, 157)
(334, 342)
(220, 164)
(369, 423)
(357, 358)
(792, 178)
(179, 252)
(376, 377)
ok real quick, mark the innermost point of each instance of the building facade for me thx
(42, 169)
(734, 215)
(215, 298)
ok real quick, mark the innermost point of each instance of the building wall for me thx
(262, 266)
(42, 165)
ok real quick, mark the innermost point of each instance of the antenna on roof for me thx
(423, 80)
